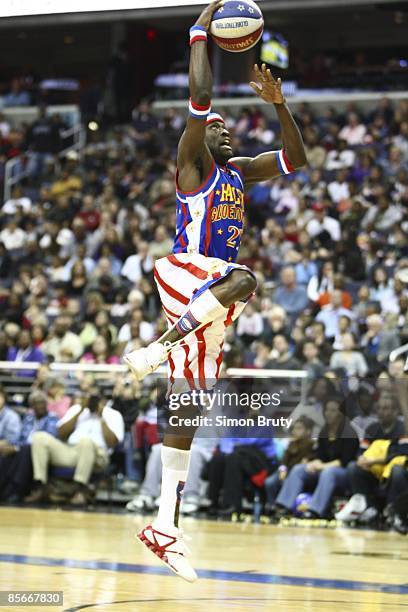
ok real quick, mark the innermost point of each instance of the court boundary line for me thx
(206, 574)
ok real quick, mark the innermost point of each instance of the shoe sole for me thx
(134, 371)
(147, 544)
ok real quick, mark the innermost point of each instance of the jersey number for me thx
(235, 233)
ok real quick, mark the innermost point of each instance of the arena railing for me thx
(296, 380)
(316, 99)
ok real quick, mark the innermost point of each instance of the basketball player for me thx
(202, 289)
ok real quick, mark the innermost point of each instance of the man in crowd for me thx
(88, 433)
(15, 459)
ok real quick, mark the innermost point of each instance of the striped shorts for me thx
(194, 363)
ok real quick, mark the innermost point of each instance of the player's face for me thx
(218, 141)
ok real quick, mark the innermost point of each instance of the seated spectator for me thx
(16, 96)
(347, 358)
(317, 333)
(366, 414)
(354, 131)
(345, 327)
(18, 203)
(57, 400)
(88, 433)
(289, 295)
(321, 283)
(300, 450)
(62, 344)
(339, 189)
(250, 325)
(338, 283)
(13, 237)
(146, 329)
(340, 157)
(320, 390)
(15, 459)
(138, 265)
(24, 350)
(10, 424)
(323, 229)
(78, 279)
(275, 322)
(311, 362)
(381, 217)
(378, 342)
(100, 352)
(330, 314)
(239, 463)
(280, 357)
(337, 446)
(368, 471)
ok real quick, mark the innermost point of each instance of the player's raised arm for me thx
(194, 159)
(292, 155)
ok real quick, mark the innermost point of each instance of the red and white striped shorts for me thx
(198, 358)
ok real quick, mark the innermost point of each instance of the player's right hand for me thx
(205, 18)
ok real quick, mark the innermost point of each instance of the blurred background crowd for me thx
(78, 240)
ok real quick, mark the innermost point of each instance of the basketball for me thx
(237, 26)
(301, 503)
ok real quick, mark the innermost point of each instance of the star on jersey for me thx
(220, 232)
(218, 192)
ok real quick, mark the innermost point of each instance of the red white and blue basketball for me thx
(302, 503)
(237, 25)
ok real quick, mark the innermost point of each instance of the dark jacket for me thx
(298, 451)
(343, 447)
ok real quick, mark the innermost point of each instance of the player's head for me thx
(218, 138)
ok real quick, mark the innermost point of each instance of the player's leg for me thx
(208, 305)
(196, 361)
(164, 536)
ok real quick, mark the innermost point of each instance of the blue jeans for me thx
(324, 484)
(273, 485)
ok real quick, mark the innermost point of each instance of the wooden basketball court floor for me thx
(97, 563)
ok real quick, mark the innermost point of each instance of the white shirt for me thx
(251, 325)
(146, 332)
(332, 226)
(132, 268)
(340, 159)
(13, 240)
(353, 135)
(89, 425)
(12, 205)
(338, 191)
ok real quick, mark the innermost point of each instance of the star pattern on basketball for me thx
(251, 10)
(221, 10)
(241, 7)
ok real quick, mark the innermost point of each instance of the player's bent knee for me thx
(244, 283)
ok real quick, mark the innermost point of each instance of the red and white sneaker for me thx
(170, 548)
(146, 360)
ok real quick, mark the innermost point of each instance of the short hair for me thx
(306, 422)
(37, 396)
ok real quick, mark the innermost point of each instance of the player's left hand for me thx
(267, 87)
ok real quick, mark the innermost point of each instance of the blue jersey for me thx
(210, 219)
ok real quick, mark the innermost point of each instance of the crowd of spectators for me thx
(78, 242)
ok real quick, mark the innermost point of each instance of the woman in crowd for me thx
(337, 446)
